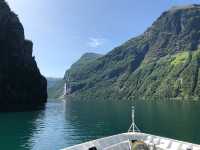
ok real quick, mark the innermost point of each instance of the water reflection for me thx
(16, 129)
(51, 127)
(175, 119)
(97, 119)
(65, 123)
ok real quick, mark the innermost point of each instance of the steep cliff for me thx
(22, 87)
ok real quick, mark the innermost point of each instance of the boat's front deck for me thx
(123, 142)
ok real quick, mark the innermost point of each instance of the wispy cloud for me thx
(96, 42)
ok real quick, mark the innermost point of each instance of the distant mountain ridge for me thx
(52, 81)
(55, 88)
(162, 63)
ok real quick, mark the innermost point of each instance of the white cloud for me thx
(96, 42)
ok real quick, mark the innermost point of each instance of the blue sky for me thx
(62, 30)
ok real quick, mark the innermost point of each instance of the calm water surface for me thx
(64, 124)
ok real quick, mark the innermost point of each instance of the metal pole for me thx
(133, 118)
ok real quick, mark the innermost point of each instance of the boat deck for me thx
(123, 142)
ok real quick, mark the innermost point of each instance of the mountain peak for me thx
(177, 29)
(184, 7)
(91, 54)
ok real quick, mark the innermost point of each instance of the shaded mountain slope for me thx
(22, 87)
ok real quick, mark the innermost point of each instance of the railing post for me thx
(133, 118)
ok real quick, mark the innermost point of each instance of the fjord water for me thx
(65, 123)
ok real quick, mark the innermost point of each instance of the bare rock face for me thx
(22, 87)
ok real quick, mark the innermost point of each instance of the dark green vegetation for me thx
(161, 63)
(84, 62)
(22, 87)
(56, 85)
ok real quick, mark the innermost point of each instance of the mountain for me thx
(85, 60)
(52, 81)
(55, 88)
(22, 87)
(161, 63)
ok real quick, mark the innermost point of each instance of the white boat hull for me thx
(122, 142)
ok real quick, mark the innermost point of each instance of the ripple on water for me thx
(64, 124)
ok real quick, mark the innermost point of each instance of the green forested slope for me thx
(161, 63)
(56, 86)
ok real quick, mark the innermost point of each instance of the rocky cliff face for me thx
(21, 84)
(163, 62)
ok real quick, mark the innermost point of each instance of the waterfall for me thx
(64, 90)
